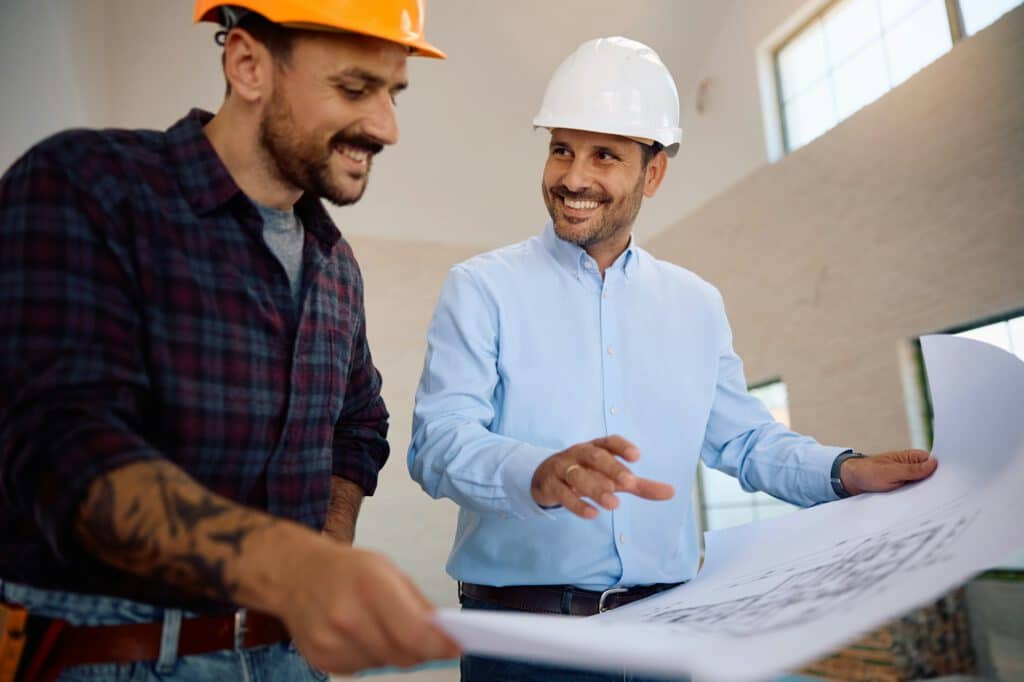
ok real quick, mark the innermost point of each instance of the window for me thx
(1006, 334)
(854, 51)
(724, 502)
(977, 14)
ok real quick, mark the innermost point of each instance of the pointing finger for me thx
(650, 489)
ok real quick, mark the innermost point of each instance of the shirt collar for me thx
(207, 184)
(575, 259)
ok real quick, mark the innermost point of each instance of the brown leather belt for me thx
(81, 645)
(563, 599)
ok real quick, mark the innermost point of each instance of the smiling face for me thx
(594, 183)
(331, 110)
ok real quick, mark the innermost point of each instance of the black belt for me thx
(564, 599)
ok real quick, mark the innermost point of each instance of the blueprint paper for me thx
(775, 594)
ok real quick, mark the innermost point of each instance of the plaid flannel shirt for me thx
(143, 317)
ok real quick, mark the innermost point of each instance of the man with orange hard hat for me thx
(191, 415)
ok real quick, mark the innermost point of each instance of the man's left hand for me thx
(886, 471)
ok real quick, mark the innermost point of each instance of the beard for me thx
(615, 217)
(306, 162)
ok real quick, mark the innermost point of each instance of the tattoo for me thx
(153, 520)
(233, 538)
(191, 513)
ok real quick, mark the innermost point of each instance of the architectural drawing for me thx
(806, 587)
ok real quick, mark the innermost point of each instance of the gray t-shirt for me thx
(283, 233)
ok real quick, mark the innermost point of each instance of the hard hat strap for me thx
(231, 16)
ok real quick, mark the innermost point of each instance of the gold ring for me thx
(569, 470)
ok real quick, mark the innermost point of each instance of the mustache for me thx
(359, 141)
(586, 195)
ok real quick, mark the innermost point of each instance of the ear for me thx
(248, 66)
(655, 173)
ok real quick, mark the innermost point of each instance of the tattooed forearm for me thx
(153, 520)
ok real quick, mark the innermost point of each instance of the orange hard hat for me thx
(399, 21)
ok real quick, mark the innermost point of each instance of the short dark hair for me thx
(278, 39)
(649, 151)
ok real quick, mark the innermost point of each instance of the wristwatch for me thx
(837, 481)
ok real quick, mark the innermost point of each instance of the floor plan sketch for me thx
(804, 588)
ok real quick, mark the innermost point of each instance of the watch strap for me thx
(837, 482)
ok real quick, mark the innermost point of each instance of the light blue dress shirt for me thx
(530, 352)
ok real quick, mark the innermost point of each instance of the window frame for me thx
(782, 149)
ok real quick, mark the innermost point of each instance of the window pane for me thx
(918, 40)
(980, 13)
(802, 61)
(770, 511)
(1017, 336)
(861, 80)
(809, 115)
(997, 334)
(764, 499)
(768, 506)
(1015, 561)
(849, 26)
(775, 398)
(729, 516)
(894, 10)
(722, 488)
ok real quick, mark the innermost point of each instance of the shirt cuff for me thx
(516, 476)
(824, 463)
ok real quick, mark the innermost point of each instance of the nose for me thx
(577, 175)
(382, 121)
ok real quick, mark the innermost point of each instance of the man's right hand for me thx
(346, 608)
(350, 609)
(593, 470)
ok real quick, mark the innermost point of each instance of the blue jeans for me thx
(271, 663)
(484, 669)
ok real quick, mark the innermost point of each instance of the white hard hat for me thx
(617, 86)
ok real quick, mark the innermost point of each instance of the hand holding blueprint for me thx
(775, 594)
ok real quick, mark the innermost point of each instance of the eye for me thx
(352, 92)
(606, 156)
(559, 151)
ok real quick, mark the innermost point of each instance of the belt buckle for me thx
(240, 629)
(607, 593)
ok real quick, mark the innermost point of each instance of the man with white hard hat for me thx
(190, 414)
(552, 362)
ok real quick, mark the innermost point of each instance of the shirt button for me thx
(622, 538)
(610, 351)
(614, 410)
(604, 294)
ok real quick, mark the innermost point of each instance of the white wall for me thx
(468, 167)
(49, 73)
